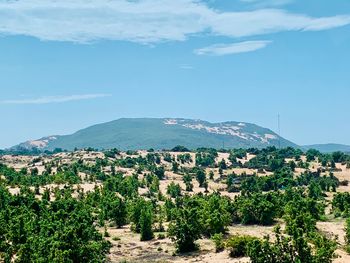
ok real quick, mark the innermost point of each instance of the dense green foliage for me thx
(294, 249)
(40, 231)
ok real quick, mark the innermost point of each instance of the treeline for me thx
(30, 151)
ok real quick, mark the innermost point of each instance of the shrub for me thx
(218, 240)
(292, 249)
(238, 245)
(161, 236)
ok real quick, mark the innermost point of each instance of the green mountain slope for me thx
(145, 133)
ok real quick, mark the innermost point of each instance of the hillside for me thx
(328, 148)
(145, 133)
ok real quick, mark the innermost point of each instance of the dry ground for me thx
(127, 245)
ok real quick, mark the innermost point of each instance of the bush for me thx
(341, 204)
(347, 235)
(292, 249)
(255, 209)
(161, 236)
(238, 245)
(218, 240)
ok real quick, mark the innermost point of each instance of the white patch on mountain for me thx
(170, 122)
(40, 144)
(223, 129)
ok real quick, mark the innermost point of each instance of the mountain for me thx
(145, 133)
(328, 148)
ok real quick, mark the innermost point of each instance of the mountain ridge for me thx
(166, 133)
(162, 133)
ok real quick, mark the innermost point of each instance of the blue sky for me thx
(70, 64)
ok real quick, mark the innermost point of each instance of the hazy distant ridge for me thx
(328, 148)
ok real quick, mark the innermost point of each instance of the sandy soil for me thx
(127, 245)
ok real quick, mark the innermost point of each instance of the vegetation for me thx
(39, 231)
(50, 218)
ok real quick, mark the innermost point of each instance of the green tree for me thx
(215, 215)
(174, 190)
(146, 223)
(118, 212)
(175, 167)
(201, 177)
(185, 228)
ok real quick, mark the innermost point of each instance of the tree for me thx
(201, 177)
(221, 172)
(167, 157)
(180, 148)
(146, 222)
(175, 167)
(333, 165)
(338, 157)
(222, 164)
(215, 215)
(160, 172)
(211, 175)
(174, 190)
(135, 209)
(256, 208)
(187, 178)
(118, 212)
(206, 185)
(292, 165)
(231, 183)
(315, 191)
(185, 229)
(206, 159)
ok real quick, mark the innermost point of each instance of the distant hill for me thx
(328, 148)
(145, 133)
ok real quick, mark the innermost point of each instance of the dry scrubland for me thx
(126, 244)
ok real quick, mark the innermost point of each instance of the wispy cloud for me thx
(186, 67)
(55, 99)
(234, 48)
(267, 3)
(147, 21)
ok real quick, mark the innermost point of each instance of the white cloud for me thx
(234, 48)
(146, 21)
(55, 99)
(265, 3)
